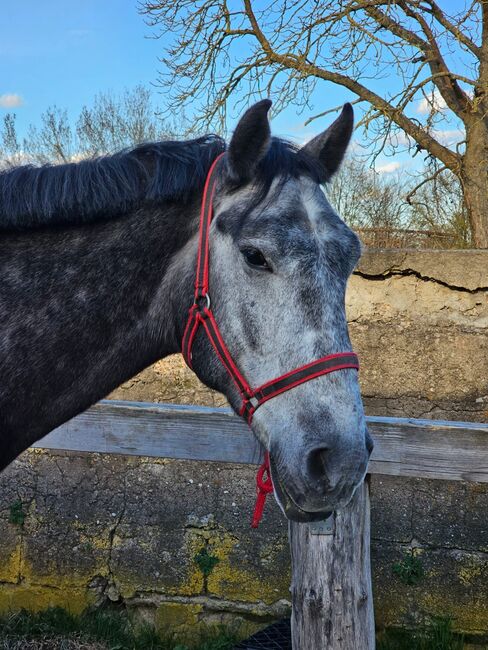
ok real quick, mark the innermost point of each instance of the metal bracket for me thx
(324, 527)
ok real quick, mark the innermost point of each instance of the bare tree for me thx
(110, 123)
(399, 210)
(9, 147)
(437, 204)
(366, 199)
(114, 122)
(431, 54)
(52, 141)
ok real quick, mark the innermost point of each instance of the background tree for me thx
(112, 122)
(366, 199)
(391, 210)
(108, 124)
(380, 206)
(9, 142)
(433, 56)
(437, 204)
(52, 141)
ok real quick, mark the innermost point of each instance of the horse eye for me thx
(255, 258)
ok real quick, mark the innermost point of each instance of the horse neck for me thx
(93, 306)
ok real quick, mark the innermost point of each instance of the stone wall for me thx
(420, 323)
(171, 539)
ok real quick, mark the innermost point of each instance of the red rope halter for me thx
(201, 315)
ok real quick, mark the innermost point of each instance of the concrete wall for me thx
(78, 529)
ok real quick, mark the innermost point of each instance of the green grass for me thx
(438, 636)
(108, 629)
(409, 569)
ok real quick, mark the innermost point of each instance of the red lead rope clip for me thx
(264, 486)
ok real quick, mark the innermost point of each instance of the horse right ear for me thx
(330, 146)
(250, 143)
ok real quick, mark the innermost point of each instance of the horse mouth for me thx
(292, 511)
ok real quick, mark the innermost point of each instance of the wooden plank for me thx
(455, 451)
(403, 447)
(159, 430)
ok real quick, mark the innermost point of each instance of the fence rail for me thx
(409, 238)
(403, 447)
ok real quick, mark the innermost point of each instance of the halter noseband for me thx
(201, 315)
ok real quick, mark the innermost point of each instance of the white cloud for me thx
(388, 168)
(20, 158)
(449, 136)
(11, 101)
(304, 138)
(399, 139)
(299, 133)
(433, 102)
(355, 146)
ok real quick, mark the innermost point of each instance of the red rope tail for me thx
(264, 486)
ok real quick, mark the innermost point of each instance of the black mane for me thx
(105, 187)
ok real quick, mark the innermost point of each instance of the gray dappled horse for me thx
(97, 264)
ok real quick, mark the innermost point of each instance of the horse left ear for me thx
(250, 142)
(330, 146)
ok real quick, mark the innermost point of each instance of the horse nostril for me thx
(317, 463)
(369, 443)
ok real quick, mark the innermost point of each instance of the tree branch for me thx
(426, 141)
(453, 29)
(429, 179)
(453, 95)
(336, 109)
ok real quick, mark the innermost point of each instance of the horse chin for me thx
(290, 509)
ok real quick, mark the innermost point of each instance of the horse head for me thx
(279, 260)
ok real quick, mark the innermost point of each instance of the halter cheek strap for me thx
(201, 315)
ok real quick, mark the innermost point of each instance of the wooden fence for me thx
(332, 605)
(408, 238)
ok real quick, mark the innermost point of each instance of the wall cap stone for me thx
(463, 269)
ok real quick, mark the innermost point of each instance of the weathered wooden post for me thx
(331, 580)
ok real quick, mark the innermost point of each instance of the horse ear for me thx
(330, 146)
(250, 142)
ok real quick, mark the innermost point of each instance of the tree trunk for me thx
(331, 581)
(474, 180)
(474, 169)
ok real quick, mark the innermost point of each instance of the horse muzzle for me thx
(318, 488)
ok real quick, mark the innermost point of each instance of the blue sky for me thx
(64, 52)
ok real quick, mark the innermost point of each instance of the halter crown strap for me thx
(206, 214)
(201, 315)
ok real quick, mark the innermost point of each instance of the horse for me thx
(97, 263)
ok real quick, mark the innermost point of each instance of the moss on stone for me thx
(13, 598)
